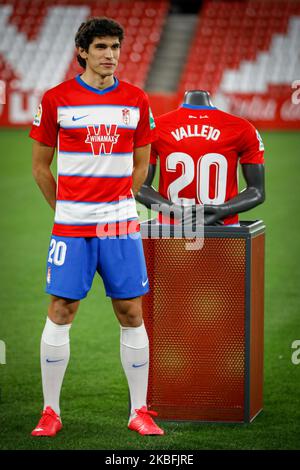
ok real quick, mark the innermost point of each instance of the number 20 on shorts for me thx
(57, 252)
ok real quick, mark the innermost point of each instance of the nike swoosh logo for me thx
(77, 118)
(58, 360)
(140, 365)
(144, 283)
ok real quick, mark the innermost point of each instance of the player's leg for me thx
(69, 277)
(55, 348)
(134, 349)
(55, 355)
(125, 278)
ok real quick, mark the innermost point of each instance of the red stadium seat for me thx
(227, 32)
(231, 32)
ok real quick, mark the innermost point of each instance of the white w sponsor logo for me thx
(103, 139)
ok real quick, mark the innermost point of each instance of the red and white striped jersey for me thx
(95, 133)
(199, 148)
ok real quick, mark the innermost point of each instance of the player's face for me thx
(103, 55)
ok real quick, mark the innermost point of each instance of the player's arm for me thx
(141, 157)
(42, 156)
(252, 196)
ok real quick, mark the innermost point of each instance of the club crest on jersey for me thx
(126, 116)
(102, 138)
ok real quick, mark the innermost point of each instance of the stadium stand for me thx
(37, 38)
(234, 42)
(247, 47)
(143, 23)
(244, 52)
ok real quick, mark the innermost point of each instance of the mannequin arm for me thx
(148, 196)
(252, 196)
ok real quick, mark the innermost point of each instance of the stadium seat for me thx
(247, 45)
(32, 36)
(230, 36)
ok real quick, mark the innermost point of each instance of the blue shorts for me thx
(73, 261)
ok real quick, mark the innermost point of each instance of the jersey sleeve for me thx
(45, 126)
(251, 147)
(145, 132)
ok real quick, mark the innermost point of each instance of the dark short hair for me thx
(93, 28)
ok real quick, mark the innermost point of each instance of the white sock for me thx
(55, 354)
(135, 362)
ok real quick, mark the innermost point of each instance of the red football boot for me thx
(49, 424)
(144, 424)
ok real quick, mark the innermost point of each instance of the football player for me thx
(102, 129)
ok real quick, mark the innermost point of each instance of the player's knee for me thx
(62, 311)
(130, 315)
(133, 318)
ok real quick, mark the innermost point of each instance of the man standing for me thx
(102, 129)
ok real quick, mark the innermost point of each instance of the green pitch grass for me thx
(94, 397)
